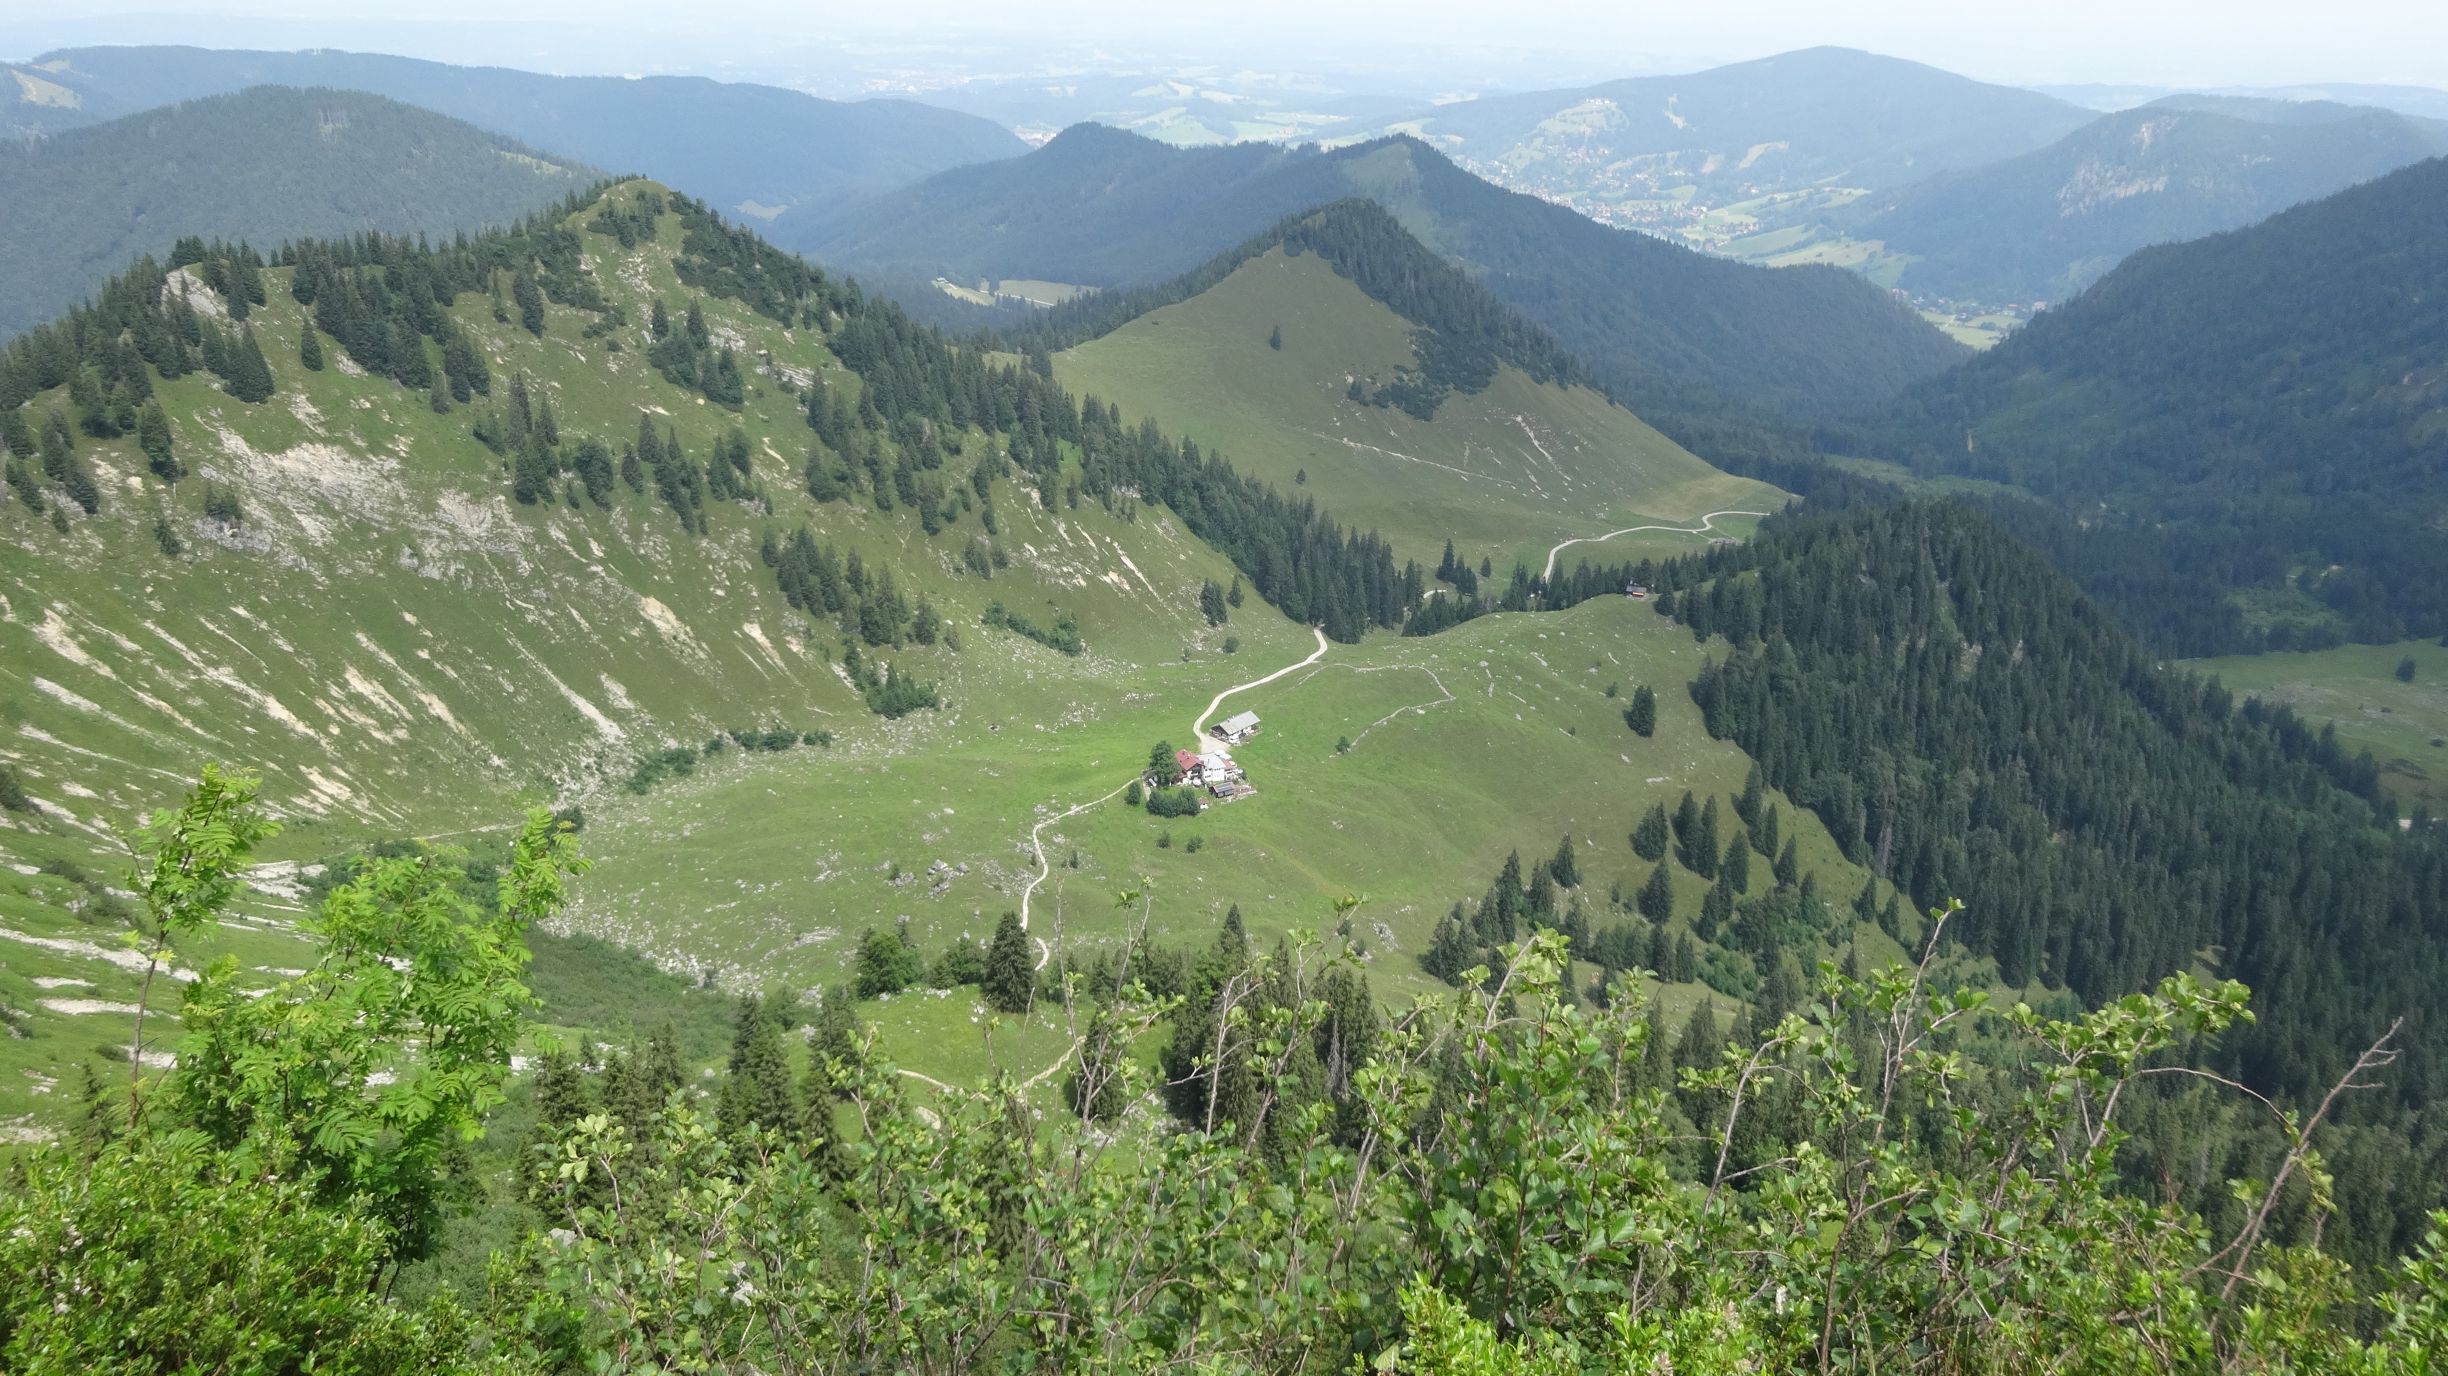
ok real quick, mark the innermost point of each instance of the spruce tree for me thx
(1649, 839)
(1747, 805)
(98, 1121)
(1716, 910)
(533, 473)
(250, 377)
(1765, 838)
(655, 1075)
(1687, 821)
(561, 1096)
(1734, 870)
(1704, 845)
(310, 347)
(1657, 896)
(1010, 984)
(153, 437)
(757, 1088)
(1641, 716)
(1788, 864)
(1565, 867)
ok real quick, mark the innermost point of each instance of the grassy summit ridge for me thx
(1504, 471)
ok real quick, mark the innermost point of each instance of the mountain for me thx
(1665, 329)
(2251, 421)
(758, 151)
(623, 511)
(1337, 354)
(1668, 152)
(2046, 224)
(260, 165)
(2425, 102)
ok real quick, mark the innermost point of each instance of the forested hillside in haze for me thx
(749, 149)
(2259, 412)
(2049, 223)
(264, 166)
(1666, 330)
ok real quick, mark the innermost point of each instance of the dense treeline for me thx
(1966, 724)
(1461, 332)
(2256, 410)
(1886, 1174)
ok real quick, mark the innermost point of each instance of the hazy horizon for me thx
(1550, 42)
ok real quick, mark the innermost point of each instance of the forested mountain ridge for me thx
(2046, 224)
(263, 165)
(752, 150)
(1664, 329)
(1969, 726)
(2248, 426)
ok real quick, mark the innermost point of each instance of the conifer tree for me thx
(1687, 821)
(533, 472)
(530, 301)
(310, 347)
(1716, 910)
(561, 1097)
(1788, 864)
(98, 1121)
(1649, 839)
(757, 1088)
(1765, 838)
(250, 377)
(1747, 806)
(1657, 896)
(1641, 716)
(1565, 866)
(1010, 984)
(1734, 870)
(63, 465)
(153, 437)
(655, 1074)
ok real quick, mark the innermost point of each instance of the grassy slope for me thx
(1506, 473)
(2356, 686)
(1498, 735)
(427, 642)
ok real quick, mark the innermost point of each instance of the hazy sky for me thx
(2167, 42)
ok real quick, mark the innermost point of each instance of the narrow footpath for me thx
(1707, 523)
